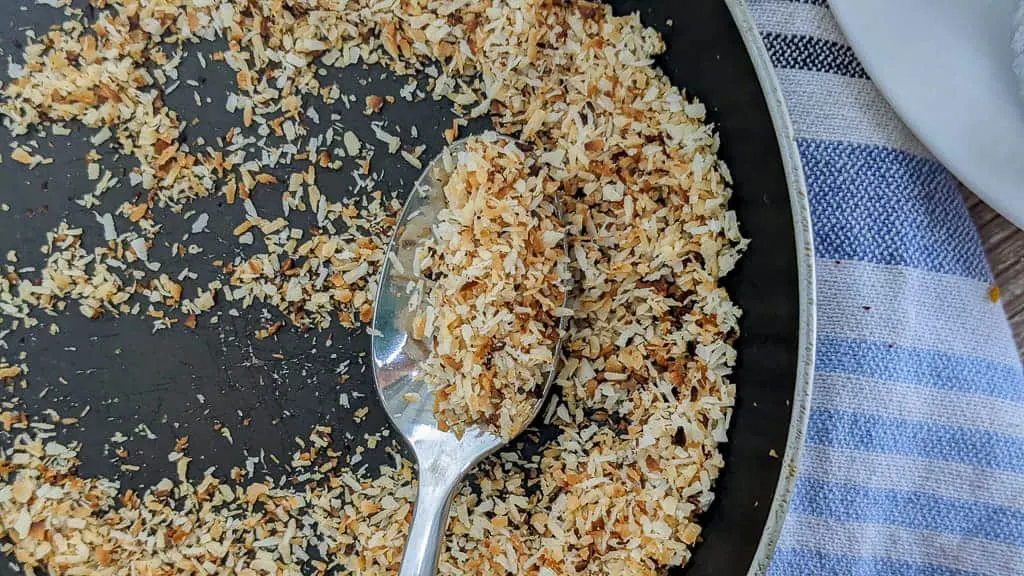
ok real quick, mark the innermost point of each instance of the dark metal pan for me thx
(717, 54)
(180, 382)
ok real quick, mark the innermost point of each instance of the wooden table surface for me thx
(1004, 244)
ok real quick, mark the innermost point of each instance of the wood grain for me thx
(1004, 244)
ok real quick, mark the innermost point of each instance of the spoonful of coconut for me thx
(469, 317)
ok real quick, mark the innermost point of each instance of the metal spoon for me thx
(442, 457)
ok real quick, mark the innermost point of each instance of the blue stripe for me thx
(887, 206)
(914, 510)
(793, 562)
(799, 52)
(927, 440)
(920, 367)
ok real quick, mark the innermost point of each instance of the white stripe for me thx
(835, 107)
(865, 395)
(895, 472)
(949, 550)
(911, 307)
(831, 106)
(782, 17)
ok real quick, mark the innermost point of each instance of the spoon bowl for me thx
(443, 458)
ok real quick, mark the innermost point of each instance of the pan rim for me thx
(806, 347)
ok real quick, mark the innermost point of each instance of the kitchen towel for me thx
(914, 458)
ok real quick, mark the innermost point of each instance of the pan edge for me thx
(800, 207)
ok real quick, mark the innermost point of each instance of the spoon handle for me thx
(423, 548)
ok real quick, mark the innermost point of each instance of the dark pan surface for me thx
(707, 56)
(129, 376)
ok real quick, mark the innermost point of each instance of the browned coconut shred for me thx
(500, 276)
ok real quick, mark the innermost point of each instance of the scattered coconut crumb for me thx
(645, 398)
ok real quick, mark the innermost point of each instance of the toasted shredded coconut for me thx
(644, 393)
(500, 273)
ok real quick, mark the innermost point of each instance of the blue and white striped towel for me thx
(914, 462)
